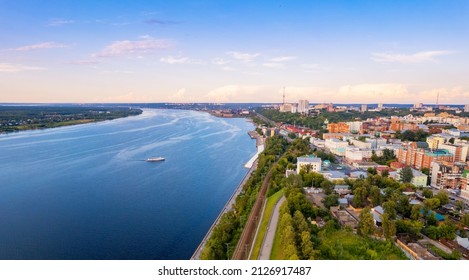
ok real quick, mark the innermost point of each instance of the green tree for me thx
(360, 195)
(431, 220)
(443, 197)
(465, 220)
(427, 193)
(431, 204)
(372, 170)
(287, 237)
(426, 171)
(385, 173)
(221, 235)
(331, 200)
(299, 222)
(306, 246)
(389, 226)
(413, 228)
(432, 232)
(366, 224)
(375, 195)
(390, 209)
(447, 230)
(406, 174)
(460, 205)
(327, 186)
(416, 212)
(403, 206)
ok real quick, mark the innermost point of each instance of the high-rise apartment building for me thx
(417, 155)
(340, 127)
(364, 107)
(303, 106)
(435, 141)
(459, 151)
(447, 175)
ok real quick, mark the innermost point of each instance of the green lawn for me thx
(269, 208)
(277, 253)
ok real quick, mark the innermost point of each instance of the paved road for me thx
(228, 207)
(268, 241)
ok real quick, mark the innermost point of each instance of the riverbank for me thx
(22, 118)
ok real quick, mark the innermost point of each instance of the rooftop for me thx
(438, 152)
(341, 187)
(308, 159)
(335, 174)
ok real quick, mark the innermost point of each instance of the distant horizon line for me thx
(220, 103)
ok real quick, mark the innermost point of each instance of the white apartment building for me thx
(314, 164)
(419, 179)
(288, 108)
(317, 142)
(336, 146)
(360, 144)
(354, 126)
(376, 142)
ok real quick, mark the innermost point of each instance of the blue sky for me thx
(234, 51)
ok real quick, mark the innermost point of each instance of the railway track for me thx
(245, 241)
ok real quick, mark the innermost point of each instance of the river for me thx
(85, 191)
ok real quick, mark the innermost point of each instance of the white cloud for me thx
(419, 57)
(59, 22)
(311, 67)
(179, 96)
(40, 46)
(373, 93)
(356, 93)
(244, 57)
(12, 68)
(84, 62)
(179, 60)
(273, 65)
(128, 97)
(454, 95)
(239, 93)
(220, 61)
(282, 58)
(126, 47)
(116, 72)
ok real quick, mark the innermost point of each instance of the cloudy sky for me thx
(234, 51)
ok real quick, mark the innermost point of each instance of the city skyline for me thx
(210, 51)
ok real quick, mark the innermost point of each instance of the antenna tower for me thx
(437, 97)
(283, 95)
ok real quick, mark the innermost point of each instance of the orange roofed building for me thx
(340, 127)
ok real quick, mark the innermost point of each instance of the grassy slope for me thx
(277, 253)
(269, 208)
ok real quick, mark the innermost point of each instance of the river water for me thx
(84, 192)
